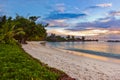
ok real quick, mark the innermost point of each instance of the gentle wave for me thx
(111, 55)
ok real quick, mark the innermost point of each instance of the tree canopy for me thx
(21, 29)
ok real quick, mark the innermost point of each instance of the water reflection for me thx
(103, 47)
(94, 46)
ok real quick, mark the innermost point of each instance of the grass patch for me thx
(15, 64)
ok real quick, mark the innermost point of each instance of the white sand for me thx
(78, 67)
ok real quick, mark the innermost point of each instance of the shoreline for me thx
(91, 56)
(87, 55)
(78, 67)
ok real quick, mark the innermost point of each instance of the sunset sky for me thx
(70, 17)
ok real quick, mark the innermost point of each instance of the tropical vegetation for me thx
(58, 38)
(21, 29)
(15, 63)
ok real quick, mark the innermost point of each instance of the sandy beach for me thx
(76, 66)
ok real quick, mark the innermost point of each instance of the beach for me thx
(76, 66)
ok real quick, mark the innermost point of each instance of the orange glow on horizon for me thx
(92, 32)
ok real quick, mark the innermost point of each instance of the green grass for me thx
(15, 64)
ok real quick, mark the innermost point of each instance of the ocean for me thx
(104, 49)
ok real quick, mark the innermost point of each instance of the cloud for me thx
(57, 15)
(102, 27)
(104, 20)
(57, 19)
(110, 24)
(92, 32)
(57, 23)
(78, 29)
(104, 5)
(114, 13)
(60, 7)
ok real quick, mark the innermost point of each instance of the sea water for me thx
(105, 49)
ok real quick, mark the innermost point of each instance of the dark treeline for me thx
(21, 29)
(56, 38)
(113, 40)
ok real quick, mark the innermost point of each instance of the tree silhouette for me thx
(68, 37)
(83, 38)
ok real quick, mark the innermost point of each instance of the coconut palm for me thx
(8, 32)
(33, 18)
(21, 29)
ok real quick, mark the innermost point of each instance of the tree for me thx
(33, 18)
(38, 33)
(73, 38)
(32, 30)
(21, 29)
(8, 32)
(24, 24)
(83, 38)
(3, 20)
(68, 37)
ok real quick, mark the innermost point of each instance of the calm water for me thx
(106, 49)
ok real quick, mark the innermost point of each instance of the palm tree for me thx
(68, 37)
(24, 24)
(73, 38)
(21, 29)
(8, 32)
(33, 18)
(32, 30)
(83, 38)
(38, 32)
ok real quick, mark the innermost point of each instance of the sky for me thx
(93, 18)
